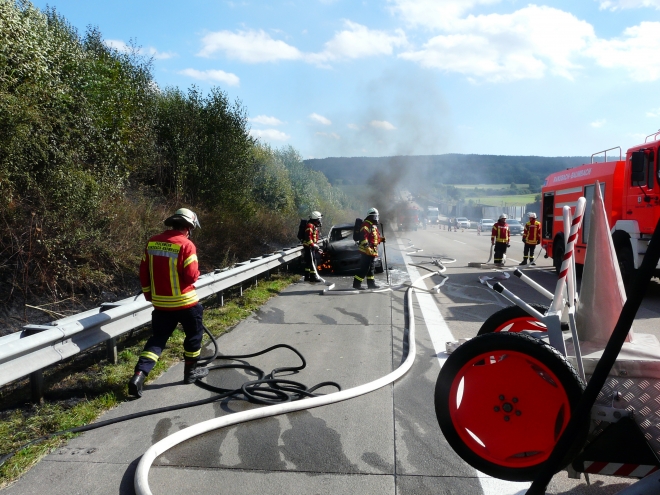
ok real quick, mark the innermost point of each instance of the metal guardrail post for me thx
(37, 386)
(111, 350)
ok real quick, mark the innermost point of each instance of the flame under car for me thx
(340, 251)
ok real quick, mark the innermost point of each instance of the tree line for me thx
(94, 155)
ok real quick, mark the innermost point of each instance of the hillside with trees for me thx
(94, 155)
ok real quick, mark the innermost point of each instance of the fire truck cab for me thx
(631, 191)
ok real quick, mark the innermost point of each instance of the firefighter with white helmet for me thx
(312, 251)
(368, 245)
(500, 238)
(168, 272)
(531, 237)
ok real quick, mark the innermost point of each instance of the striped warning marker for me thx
(618, 469)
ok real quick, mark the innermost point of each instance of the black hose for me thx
(267, 389)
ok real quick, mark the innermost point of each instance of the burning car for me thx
(340, 251)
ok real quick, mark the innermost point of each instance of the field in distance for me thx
(509, 200)
(487, 186)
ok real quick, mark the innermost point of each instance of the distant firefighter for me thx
(500, 237)
(531, 237)
(369, 239)
(312, 251)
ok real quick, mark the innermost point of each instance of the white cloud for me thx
(628, 4)
(269, 134)
(123, 47)
(433, 13)
(248, 46)
(598, 123)
(635, 52)
(382, 124)
(527, 43)
(332, 135)
(358, 41)
(355, 127)
(266, 120)
(320, 119)
(212, 75)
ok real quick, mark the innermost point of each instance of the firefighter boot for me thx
(313, 277)
(135, 384)
(523, 262)
(306, 275)
(532, 262)
(371, 284)
(192, 373)
(357, 284)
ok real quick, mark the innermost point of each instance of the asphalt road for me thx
(386, 442)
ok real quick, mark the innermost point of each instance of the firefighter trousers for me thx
(499, 252)
(528, 252)
(311, 259)
(163, 324)
(366, 269)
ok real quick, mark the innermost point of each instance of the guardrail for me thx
(36, 347)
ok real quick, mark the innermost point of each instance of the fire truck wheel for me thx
(514, 319)
(503, 399)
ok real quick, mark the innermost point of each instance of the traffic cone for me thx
(602, 293)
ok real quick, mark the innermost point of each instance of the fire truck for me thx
(631, 191)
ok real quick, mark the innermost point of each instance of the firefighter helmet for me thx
(316, 215)
(372, 212)
(187, 216)
(503, 216)
(531, 214)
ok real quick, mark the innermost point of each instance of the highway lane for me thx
(387, 442)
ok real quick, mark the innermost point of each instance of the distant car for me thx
(340, 251)
(486, 224)
(515, 227)
(433, 214)
(462, 223)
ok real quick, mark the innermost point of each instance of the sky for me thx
(407, 77)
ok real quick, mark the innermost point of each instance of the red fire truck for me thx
(631, 191)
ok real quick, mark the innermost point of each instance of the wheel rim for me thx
(520, 324)
(508, 408)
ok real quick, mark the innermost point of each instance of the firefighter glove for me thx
(508, 245)
(382, 239)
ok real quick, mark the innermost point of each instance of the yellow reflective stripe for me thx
(151, 275)
(192, 354)
(175, 301)
(359, 279)
(149, 355)
(146, 289)
(181, 297)
(164, 247)
(191, 258)
(174, 277)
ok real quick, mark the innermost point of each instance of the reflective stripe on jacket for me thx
(532, 233)
(500, 233)
(311, 235)
(370, 238)
(169, 270)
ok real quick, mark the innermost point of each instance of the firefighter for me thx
(500, 239)
(167, 273)
(312, 251)
(531, 237)
(369, 239)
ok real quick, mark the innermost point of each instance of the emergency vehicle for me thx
(631, 192)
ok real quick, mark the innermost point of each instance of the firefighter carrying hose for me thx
(531, 237)
(167, 273)
(500, 237)
(312, 251)
(369, 239)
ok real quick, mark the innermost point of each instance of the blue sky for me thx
(414, 77)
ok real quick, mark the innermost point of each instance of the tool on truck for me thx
(631, 190)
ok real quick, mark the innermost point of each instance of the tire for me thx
(558, 252)
(513, 319)
(379, 269)
(503, 399)
(624, 255)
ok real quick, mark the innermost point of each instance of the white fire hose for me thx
(141, 480)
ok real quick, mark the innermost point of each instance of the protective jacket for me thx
(169, 270)
(532, 232)
(500, 233)
(311, 236)
(370, 238)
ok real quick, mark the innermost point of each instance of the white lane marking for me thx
(459, 242)
(440, 335)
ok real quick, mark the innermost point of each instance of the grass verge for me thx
(81, 390)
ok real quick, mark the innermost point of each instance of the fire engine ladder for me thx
(565, 299)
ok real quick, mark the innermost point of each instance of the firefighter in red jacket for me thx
(369, 239)
(531, 237)
(167, 273)
(312, 251)
(500, 237)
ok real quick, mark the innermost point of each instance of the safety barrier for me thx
(36, 347)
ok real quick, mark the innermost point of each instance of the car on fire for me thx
(340, 251)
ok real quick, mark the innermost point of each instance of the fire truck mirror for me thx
(637, 166)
